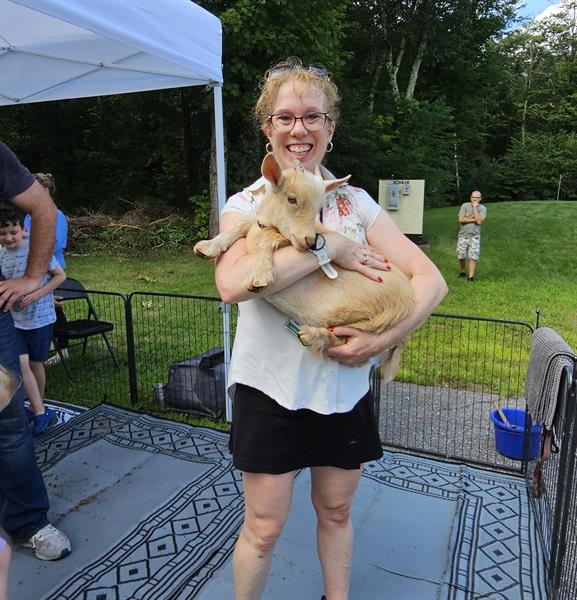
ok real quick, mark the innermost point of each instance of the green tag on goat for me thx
(293, 327)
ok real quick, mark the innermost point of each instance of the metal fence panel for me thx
(554, 501)
(169, 328)
(96, 379)
(459, 368)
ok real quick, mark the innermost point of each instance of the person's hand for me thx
(353, 256)
(13, 289)
(359, 347)
(59, 301)
(28, 299)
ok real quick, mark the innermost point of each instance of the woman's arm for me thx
(235, 264)
(57, 279)
(427, 282)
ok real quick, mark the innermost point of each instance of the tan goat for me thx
(288, 215)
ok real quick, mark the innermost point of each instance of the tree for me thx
(531, 168)
(258, 34)
(421, 146)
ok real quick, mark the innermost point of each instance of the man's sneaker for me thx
(53, 360)
(462, 274)
(43, 421)
(49, 543)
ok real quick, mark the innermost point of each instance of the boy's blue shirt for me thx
(39, 314)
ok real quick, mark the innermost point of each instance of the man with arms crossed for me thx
(471, 215)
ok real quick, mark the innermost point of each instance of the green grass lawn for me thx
(175, 272)
(528, 263)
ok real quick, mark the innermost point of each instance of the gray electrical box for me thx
(393, 196)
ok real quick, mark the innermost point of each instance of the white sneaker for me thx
(55, 358)
(49, 543)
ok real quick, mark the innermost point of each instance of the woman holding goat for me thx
(292, 409)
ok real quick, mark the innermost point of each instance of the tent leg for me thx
(221, 191)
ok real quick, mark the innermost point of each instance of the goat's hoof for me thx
(202, 249)
(256, 289)
(305, 337)
(257, 284)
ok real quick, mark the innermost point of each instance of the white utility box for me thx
(404, 200)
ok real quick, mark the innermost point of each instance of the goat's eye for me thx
(292, 199)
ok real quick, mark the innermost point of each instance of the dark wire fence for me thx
(554, 496)
(460, 369)
(150, 333)
(168, 329)
(455, 370)
(94, 376)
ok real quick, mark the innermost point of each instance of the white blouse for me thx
(266, 355)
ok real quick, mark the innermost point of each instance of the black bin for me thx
(196, 385)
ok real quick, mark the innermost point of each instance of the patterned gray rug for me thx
(153, 508)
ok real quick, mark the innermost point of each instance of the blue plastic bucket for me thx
(510, 439)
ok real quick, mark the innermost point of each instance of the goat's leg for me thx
(318, 339)
(213, 248)
(391, 359)
(263, 274)
(262, 243)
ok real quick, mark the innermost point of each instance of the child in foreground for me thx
(33, 315)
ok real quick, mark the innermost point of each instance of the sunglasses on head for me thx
(319, 70)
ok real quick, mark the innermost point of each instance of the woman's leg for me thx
(332, 494)
(267, 503)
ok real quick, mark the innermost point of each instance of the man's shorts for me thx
(469, 247)
(34, 342)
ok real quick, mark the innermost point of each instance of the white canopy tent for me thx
(58, 49)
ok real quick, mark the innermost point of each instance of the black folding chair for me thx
(77, 329)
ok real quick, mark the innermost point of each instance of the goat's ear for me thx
(333, 184)
(271, 169)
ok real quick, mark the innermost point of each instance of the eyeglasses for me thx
(313, 121)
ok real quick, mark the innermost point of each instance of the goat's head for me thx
(294, 201)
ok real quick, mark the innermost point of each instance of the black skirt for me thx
(268, 438)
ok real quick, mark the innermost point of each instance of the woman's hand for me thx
(359, 347)
(353, 256)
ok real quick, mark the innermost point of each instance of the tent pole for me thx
(221, 192)
(219, 130)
